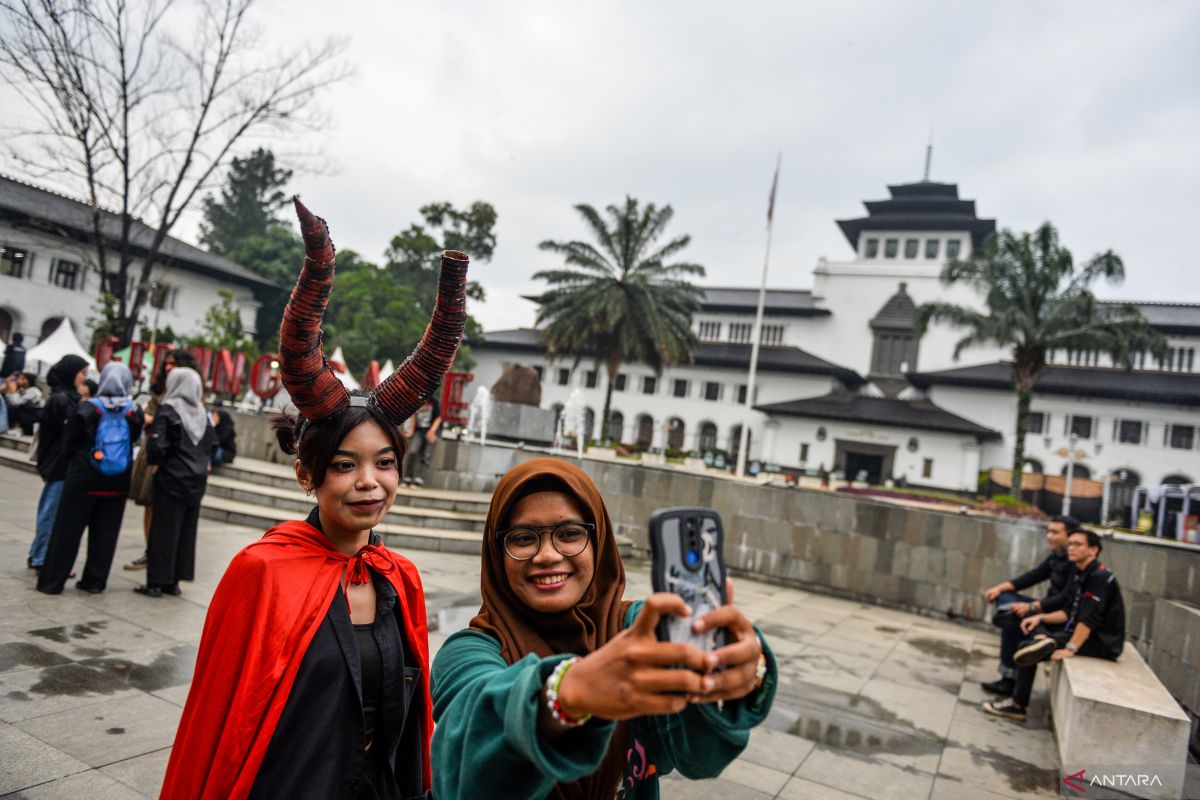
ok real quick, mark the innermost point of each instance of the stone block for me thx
(870, 519)
(884, 556)
(933, 529)
(1116, 717)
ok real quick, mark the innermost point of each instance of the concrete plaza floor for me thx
(873, 703)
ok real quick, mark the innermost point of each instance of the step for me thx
(15, 441)
(17, 459)
(296, 503)
(397, 536)
(266, 473)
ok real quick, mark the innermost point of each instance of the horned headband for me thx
(315, 390)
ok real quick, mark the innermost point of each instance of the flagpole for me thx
(757, 333)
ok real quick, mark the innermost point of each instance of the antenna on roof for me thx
(928, 155)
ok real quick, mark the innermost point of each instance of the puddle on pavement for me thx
(14, 655)
(888, 629)
(109, 675)
(1021, 776)
(940, 648)
(65, 633)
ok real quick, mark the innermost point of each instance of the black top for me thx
(320, 746)
(51, 458)
(1056, 568)
(370, 660)
(182, 465)
(1093, 597)
(78, 440)
(14, 360)
(226, 433)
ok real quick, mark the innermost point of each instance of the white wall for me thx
(955, 458)
(1151, 459)
(32, 299)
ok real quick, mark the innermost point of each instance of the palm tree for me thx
(619, 300)
(1037, 301)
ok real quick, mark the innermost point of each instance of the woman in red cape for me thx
(312, 678)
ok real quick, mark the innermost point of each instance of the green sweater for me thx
(486, 742)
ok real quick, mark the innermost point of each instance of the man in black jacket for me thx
(1011, 606)
(14, 356)
(1091, 613)
(64, 380)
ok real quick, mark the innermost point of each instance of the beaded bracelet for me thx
(553, 682)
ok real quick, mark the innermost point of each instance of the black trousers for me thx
(1025, 675)
(171, 552)
(101, 515)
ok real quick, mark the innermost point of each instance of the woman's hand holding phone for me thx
(634, 674)
(739, 659)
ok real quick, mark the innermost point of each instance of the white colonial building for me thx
(48, 269)
(844, 382)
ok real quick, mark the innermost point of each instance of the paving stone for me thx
(997, 773)
(143, 773)
(927, 710)
(801, 789)
(37, 692)
(779, 751)
(865, 776)
(92, 785)
(28, 761)
(715, 789)
(109, 731)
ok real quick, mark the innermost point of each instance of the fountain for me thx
(572, 420)
(480, 413)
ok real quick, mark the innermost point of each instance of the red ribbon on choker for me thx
(371, 555)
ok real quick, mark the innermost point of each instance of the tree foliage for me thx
(621, 299)
(380, 312)
(1037, 300)
(141, 122)
(221, 328)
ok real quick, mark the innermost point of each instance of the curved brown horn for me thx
(411, 386)
(315, 390)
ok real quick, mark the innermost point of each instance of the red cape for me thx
(263, 616)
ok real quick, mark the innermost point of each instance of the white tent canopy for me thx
(387, 369)
(345, 377)
(63, 342)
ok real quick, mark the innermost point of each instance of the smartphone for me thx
(687, 558)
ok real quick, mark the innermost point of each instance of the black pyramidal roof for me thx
(923, 206)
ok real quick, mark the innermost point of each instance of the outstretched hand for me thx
(634, 674)
(739, 658)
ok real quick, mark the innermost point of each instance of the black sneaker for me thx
(1003, 687)
(1035, 651)
(1007, 709)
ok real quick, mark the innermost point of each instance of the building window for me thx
(741, 394)
(541, 372)
(1128, 431)
(645, 430)
(708, 437)
(649, 384)
(872, 250)
(911, 248)
(1079, 426)
(64, 274)
(589, 379)
(619, 384)
(712, 390)
(772, 334)
(740, 332)
(931, 247)
(162, 296)
(564, 376)
(804, 453)
(616, 426)
(679, 388)
(13, 261)
(710, 331)
(891, 247)
(1181, 437)
(953, 248)
(1037, 422)
(893, 353)
(927, 468)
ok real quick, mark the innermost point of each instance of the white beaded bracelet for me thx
(553, 682)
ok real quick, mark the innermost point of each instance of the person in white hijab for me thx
(180, 443)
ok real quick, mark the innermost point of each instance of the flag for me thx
(774, 186)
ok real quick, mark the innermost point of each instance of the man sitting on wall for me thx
(1011, 606)
(1094, 617)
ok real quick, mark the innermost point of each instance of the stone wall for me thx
(1175, 654)
(255, 438)
(930, 562)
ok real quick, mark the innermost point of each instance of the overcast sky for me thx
(1083, 113)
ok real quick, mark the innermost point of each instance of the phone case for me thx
(677, 536)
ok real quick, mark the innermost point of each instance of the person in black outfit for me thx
(91, 498)
(1091, 613)
(428, 424)
(24, 401)
(180, 444)
(1012, 606)
(226, 448)
(64, 380)
(14, 356)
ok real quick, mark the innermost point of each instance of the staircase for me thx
(260, 494)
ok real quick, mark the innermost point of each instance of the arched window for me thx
(1032, 465)
(6, 325)
(1177, 479)
(645, 430)
(1080, 471)
(49, 327)
(1120, 489)
(675, 433)
(616, 426)
(589, 423)
(735, 441)
(708, 437)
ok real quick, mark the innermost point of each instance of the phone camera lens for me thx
(693, 558)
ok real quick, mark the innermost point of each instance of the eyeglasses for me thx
(568, 538)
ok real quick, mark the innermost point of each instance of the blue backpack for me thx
(111, 449)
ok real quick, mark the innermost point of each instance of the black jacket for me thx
(1093, 597)
(14, 360)
(182, 466)
(1055, 567)
(51, 458)
(78, 440)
